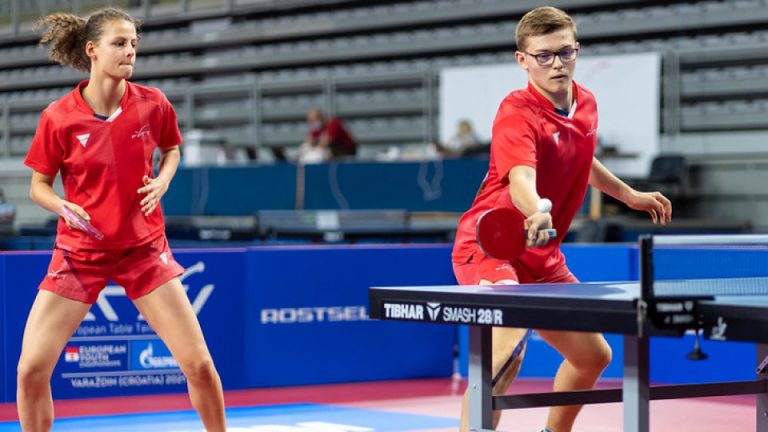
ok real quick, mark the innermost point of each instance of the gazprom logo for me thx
(151, 355)
(433, 309)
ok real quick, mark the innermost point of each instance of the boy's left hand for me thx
(655, 203)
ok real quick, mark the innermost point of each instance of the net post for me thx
(646, 281)
(646, 267)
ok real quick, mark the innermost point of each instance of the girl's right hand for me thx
(76, 209)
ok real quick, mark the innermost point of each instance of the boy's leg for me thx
(503, 340)
(586, 356)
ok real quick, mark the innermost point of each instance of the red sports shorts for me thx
(482, 267)
(80, 275)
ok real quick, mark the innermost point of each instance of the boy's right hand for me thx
(534, 225)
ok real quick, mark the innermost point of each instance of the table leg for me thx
(636, 392)
(480, 387)
(762, 398)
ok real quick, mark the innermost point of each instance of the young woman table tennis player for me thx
(100, 138)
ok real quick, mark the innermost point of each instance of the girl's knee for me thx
(33, 373)
(199, 370)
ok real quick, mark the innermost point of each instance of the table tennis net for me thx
(754, 286)
(709, 265)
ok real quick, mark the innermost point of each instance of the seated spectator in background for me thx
(327, 139)
(7, 210)
(462, 142)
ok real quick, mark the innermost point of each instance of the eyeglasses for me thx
(548, 58)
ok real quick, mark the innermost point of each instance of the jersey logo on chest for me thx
(83, 138)
(144, 131)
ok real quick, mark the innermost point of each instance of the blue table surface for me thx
(600, 291)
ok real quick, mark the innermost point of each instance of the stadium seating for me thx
(248, 70)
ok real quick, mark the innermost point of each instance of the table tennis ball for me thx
(544, 205)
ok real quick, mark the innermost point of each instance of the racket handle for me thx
(551, 232)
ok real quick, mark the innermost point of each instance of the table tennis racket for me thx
(501, 233)
(82, 223)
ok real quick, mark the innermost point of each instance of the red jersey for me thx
(102, 162)
(528, 131)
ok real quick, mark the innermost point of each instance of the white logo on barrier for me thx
(433, 309)
(718, 330)
(290, 315)
(149, 361)
(105, 307)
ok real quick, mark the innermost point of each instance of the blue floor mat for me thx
(282, 418)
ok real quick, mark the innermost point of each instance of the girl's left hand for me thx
(155, 189)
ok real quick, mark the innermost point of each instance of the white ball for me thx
(544, 205)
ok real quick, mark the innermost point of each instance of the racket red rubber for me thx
(501, 233)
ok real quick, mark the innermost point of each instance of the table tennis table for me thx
(614, 307)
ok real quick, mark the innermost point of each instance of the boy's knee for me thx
(603, 356)
(599, 359)
(507, 376)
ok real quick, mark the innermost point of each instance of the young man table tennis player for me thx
(543, 145)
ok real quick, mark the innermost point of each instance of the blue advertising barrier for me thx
(217, 191)
(432, 185)
(429, 185)
(114, 351)
(298, 315)
(270, 316)
(3, 350)
(308, 318)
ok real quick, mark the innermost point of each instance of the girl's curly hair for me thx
(66, 34)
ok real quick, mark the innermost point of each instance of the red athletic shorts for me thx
(80, 275)
(482, 267)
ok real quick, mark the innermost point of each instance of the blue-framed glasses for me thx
(566, 55)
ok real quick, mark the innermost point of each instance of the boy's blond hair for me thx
(541, 21)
